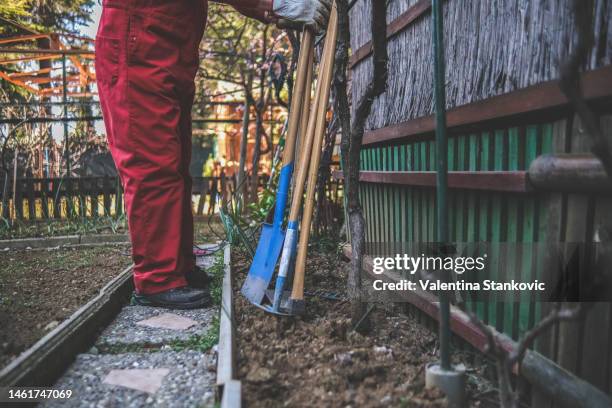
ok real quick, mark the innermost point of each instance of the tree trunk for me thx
(256, 153)
(241, 179)
(352, 138)
(354, 214)
(259, 130)
(322, 219)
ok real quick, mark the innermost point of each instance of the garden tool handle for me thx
(307, 132)
(299, 153)
(325, 78)
(294, 116)
(298, 96)
(288, 245)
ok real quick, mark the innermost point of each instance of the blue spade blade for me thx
(270, 244)
(264, 262)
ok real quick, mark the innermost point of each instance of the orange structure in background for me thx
(229, 135)
(41, 82)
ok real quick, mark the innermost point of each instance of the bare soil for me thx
(318, 360)
(40, 289)
(208, 229)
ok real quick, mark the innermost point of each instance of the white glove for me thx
(313, 13)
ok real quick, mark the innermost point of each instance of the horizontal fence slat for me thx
(545, 96)
(508, 181)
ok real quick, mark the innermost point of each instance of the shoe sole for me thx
(196, 304)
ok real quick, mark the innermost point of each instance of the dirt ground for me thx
(317, 360)
(39, 289)
(208, 229)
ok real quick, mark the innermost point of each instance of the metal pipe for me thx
(569, 173)
(15, 162)
(442, 170)
(6, 50)
(94, 118)
(13, 121)
(37, 104)
(42, 103)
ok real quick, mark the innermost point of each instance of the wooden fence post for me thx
(44, 191)
(82, 201)
(118, 197)
(19, 199)
(69, 195)
(106, 190)
(55, 196)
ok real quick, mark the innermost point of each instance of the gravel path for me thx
(130, 357)
(189, 382)
(125, 330)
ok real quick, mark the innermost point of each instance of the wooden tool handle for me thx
(305, 113)
(298, 96)
(306, 136)
(324, 84)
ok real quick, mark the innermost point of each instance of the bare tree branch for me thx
(505, 360)
(557, 315)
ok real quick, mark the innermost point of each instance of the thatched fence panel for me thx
(492, 47)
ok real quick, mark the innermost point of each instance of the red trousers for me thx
(146, 61)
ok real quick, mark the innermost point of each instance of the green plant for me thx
(324, 243)
(258, 211)
(201, 342)
(241, 227)
(215, 272)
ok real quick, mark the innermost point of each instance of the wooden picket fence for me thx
(56, 198)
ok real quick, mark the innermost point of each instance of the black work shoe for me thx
(198, 278)
(185, 297)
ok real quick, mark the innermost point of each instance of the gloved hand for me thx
(312, 13)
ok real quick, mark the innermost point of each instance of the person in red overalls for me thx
(146, 61)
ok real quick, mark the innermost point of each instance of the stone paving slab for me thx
(205, 262)
(189, 382)
(125, 330)
(169, 321)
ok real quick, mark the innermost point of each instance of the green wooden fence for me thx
(514, 223)
(474, 215)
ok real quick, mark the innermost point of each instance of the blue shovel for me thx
(272, 235)
(310, 154)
